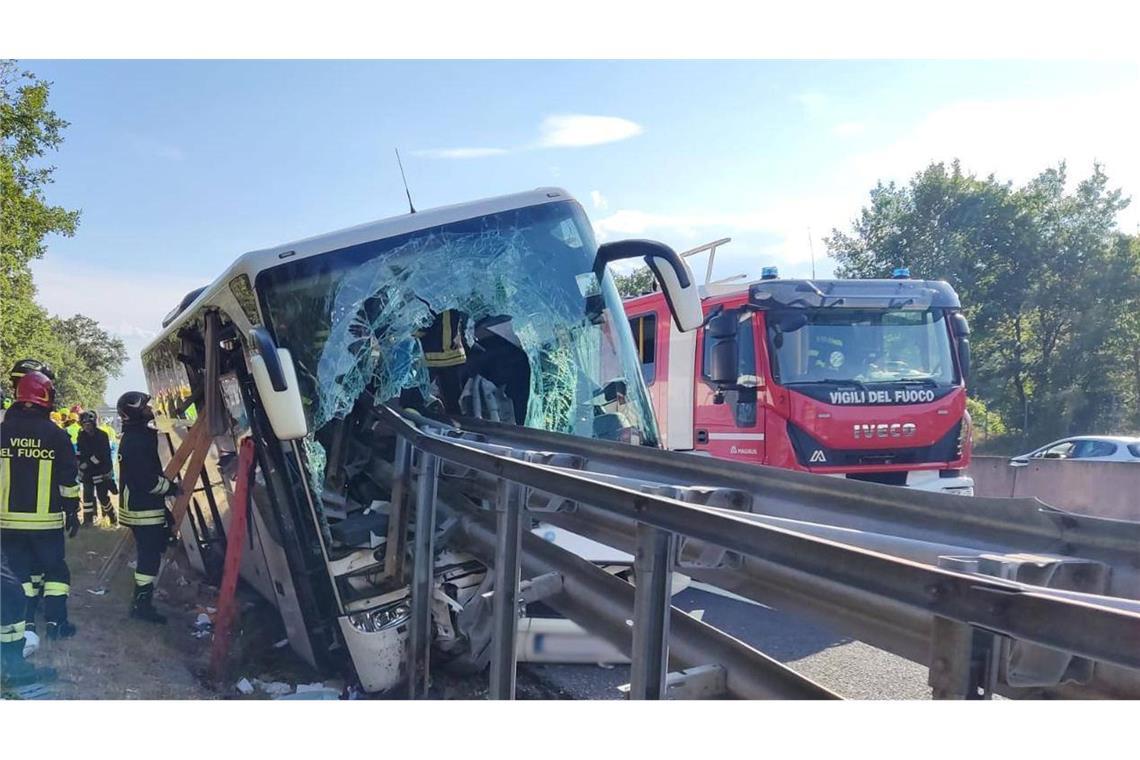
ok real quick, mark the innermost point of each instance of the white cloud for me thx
(579, 130)
(129, 305)
(559, 131)
(460, 152)
(1017, 139)
(599, 200)
(848, 128)
(1014, 139)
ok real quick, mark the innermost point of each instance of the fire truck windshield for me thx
(537, 339)
(821, 346)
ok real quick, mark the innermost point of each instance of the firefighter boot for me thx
(142, 608)
(16, 671)
(60, 630)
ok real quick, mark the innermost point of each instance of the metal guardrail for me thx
(968, 610)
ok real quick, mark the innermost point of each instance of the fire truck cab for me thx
(863, 379)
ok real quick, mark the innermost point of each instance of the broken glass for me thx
(523, 279)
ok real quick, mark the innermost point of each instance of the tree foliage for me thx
(83, 355)
(1051, 288)
(635, 283)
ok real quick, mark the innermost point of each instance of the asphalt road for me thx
(850, 668)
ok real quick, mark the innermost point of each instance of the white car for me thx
(1100, 448)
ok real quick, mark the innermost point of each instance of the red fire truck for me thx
(864, 379)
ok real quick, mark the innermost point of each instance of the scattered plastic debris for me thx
(244, 686)
(282, 643)
(211, 610)
(97, 591)
(273, 688)
(203, 620)
(31, 643)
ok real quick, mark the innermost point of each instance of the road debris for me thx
(97, 591)
(281, 644)
(244, 686)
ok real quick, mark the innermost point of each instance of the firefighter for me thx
(19, 369)
(142, 505)
(445, 356)
(96, 468)
(39, 499)
(72, 428)
(14, 670)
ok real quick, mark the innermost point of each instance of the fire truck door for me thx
(733, 429)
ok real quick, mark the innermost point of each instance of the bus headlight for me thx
(381, 619)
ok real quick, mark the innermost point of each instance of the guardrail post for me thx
(505, 602)
(964, 661)
(398, 512)
(419, 637)
(653, 570)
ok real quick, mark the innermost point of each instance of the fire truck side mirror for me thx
(961, 329)
(276, 381)
(723, 358)
(672, 273)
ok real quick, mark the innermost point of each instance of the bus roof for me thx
(253, 262)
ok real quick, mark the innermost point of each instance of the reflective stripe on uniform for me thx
(129, 517)
(43, 487)
(69, 492)
(12, 632)
(56, 588)
(5, 483)
(29, 589)
(31, 521)
(144, 580)
(449, 356)
(160, 487)
(149, 517)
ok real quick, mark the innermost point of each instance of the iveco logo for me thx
(886, 430)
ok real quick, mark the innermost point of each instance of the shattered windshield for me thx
(862, 345)
(499, 317)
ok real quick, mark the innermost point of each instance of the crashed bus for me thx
(302, 344)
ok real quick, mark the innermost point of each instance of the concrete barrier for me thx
(1103, 489)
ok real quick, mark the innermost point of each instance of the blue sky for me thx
(180, 166)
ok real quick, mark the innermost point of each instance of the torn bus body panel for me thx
(534, 335)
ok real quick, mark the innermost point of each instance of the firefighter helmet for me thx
(37, 389)
(134, 406)
(24, 366)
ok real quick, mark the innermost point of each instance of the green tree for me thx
(28, 129)
(82, 354)
(1049, 285)
(635, 283)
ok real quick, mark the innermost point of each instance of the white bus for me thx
(303, 341)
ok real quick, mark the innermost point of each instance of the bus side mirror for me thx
(672, 273)
(276, 381)
(724, 361)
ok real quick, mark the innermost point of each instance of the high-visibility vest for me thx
(442, 341)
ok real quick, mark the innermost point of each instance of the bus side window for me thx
(644, 329)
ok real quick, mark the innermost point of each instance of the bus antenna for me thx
(811, 247)
(405, 179)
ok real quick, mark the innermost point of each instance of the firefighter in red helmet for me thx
(39, 497)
